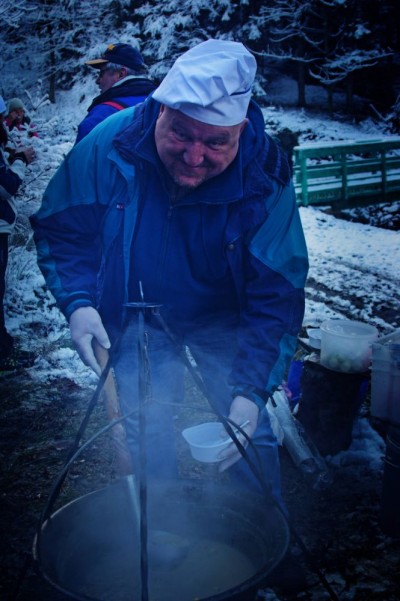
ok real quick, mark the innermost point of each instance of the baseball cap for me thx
(121, 54)
(211, 83)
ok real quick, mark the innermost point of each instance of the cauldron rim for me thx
(273, 516)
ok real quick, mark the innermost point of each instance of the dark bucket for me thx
(88, 549)
(329, 403)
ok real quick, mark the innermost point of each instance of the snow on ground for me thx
(314, 127)
(359, 263)
(350, 259)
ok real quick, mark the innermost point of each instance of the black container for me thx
(89, 549)
(390, 505)
(329, 402)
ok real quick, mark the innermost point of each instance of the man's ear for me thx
(160, 112)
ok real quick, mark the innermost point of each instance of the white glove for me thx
(242, 410)
(85, 324)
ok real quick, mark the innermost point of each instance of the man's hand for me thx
(29, 153)
(242, 410)
(26, 155)
(85, 324)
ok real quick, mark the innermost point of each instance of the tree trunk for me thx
(52, 81)
(301, 85)
(349, 93)
(329, 91)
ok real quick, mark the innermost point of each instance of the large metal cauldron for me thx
(89, 549)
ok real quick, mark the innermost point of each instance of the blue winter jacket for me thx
(10, 180)
(247, 233)
(129, 92)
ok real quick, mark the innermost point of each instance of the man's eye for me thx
(216, 144)
(180, 135)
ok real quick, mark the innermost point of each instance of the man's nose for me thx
(194, 154)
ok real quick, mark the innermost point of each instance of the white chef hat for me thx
(210, 82)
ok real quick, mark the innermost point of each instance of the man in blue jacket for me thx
(123, 83)
(186, 200)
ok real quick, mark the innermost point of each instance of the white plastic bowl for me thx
(206, 441)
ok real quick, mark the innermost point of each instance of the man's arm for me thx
(275, 272)
(67, 227)
(11, 176)
(276, 268)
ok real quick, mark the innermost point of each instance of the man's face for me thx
(107, 78)
(17, 115)
(191, 151)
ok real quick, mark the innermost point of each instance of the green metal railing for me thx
(348, 173)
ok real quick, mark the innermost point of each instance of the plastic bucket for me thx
(346, 345)
(385, 378)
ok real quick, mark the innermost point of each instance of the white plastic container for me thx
(314, 337)
(207, 441)
(385, 378)
(346, 345)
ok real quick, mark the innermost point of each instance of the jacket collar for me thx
(129, 86)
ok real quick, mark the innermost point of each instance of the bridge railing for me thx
(349, 173)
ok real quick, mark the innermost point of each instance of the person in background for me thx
(12, 173)
(123, 83)
(17, 118)
(287, 140)
(184, 201)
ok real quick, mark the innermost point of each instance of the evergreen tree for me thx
(342, 44)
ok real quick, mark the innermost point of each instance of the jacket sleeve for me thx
(71, 239)
(10, 177)
(67, 228)
(275, 266)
